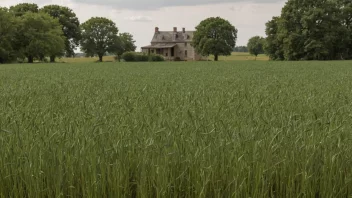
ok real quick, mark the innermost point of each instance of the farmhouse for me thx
(172, 45)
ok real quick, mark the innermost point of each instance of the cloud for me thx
(139, 18)
(156, 4)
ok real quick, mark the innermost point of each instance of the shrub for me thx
(177, 59)
(157, 57)
(140, 57)
(128, 56)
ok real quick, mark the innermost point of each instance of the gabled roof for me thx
(159, 46)
(170, 36)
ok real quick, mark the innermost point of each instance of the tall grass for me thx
(200, 129)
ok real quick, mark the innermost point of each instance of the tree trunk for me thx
(30, 59)
(255, 57)
(52, 59)
(100, 58)
(216, 57)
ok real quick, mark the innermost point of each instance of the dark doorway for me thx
(173, 51)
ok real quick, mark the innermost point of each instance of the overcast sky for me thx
(140, 17)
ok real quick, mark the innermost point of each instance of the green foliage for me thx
(22, 8)
(125, 44)
(70, 27)
(176, 130)
(255, 45)
(156, 58)
(214, 36)
(177, 59)
(128, 56)
(99, 36)
(141, 57)
(311, 30)
(273, 46)
(240, 49)
(38, 35)
(8, 27)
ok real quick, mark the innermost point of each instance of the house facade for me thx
(173, 45)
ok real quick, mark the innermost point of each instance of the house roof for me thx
(170, 36)
(159, 46)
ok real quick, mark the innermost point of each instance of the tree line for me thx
(29, 32)
(308, 30)
(240, 49)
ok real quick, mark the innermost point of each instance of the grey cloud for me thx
(156, 4)
(139, 18)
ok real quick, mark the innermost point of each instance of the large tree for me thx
(125, 44)
(273, 45)
(8, 26)
(311, 30)
(255, 45)
(99, 36)
(214, 36)
(22, 8)
(38, 35)
(70, 27)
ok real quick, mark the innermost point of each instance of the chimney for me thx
(156, 30)
(175, 29)
(184, 30)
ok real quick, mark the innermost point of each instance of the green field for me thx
(180, 129)
(235, 56)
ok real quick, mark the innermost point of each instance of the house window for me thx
(186, 53)
(167, 54)
(185, 44)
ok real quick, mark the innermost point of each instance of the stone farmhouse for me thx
(173, 45)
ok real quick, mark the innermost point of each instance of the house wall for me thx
(180, 49)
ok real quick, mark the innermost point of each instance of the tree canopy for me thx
(8, 27)
(215, 36)
(99, 36)
(255, 45)
(70, 27)
(38, 35)
(125, 44)
(311, 30)
(22, 8)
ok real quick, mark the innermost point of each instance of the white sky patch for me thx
(139, 18)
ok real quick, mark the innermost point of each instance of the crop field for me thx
(179, 129)
(235, 56)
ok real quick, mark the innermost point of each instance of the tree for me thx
(38, 35)
(70, 27)
(8, 26)
(311, 30)
(214, 36)
(255, 45)
(99, 36)
(125, 44)
(273, 45)
(22, 8)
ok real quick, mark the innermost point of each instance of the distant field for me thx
(179, 129)
(235, 56)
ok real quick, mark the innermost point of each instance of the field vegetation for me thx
(235, 56)
(175, 129)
